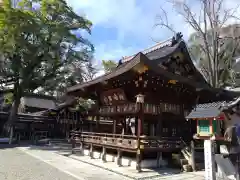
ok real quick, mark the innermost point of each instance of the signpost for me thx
(210, 169)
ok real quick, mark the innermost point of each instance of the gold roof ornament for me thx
(172, 81)
(141, 68)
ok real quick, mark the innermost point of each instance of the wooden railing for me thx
(127, 141)
(111, 140)
(162, 142)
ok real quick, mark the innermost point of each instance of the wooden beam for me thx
(97, 123)
(139, 133)
(114, 126)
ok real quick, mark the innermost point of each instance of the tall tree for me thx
(74, 73)
(208, 22)
(38, 49)
(109, 65)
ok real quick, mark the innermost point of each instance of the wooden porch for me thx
(128, 143)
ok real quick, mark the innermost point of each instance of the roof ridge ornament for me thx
(177, 38)
(158, 45)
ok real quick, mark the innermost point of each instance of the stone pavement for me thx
(77, 169)
(17, 165)
(86, 168)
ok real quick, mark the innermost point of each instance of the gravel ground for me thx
(16, 165)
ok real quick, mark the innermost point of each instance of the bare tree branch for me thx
(162, 22)
(208, 24)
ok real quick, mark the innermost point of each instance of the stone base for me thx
(126, 161)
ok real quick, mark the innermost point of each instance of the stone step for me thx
(187, 168)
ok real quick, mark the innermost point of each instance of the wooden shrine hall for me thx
(146, 97)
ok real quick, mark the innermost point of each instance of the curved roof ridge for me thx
(150, 49)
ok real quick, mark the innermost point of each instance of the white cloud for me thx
(133, 19)
(130, 17)
(125, 15)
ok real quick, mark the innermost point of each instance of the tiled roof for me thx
(217, 104)
(207, 110)
(151, 49)
(210, 110)
(38, 102)
(157, 54)
(204, 113)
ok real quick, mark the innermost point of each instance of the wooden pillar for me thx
(153, 129)
(81, 148)
(138, 160)
(91, 151)
(97, 123)
(29, 131)
(91, 124)
(64, 122)
(73, 145)
(18, 137)
(123, 126)
(104, 152)
(159, 126)
(127, 120)
(136, 126)
(140, 131)
(114, 126)
(119, 157)
(193, 156)
(67, 126)
(73, 121)
(211, 126)
(159, 159)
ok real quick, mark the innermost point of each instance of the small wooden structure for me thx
(212, 119)
(218, 124)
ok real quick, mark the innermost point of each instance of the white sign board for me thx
(209, 160)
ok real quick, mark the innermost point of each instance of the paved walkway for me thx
(29, 163)
(70, 166)
(84, 169)
(17, 165)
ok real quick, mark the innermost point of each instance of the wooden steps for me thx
(185, 160)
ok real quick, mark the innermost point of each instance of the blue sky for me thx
(124, 27)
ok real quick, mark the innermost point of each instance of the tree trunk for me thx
(12, 117)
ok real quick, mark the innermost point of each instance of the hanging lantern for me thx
(140, 98)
